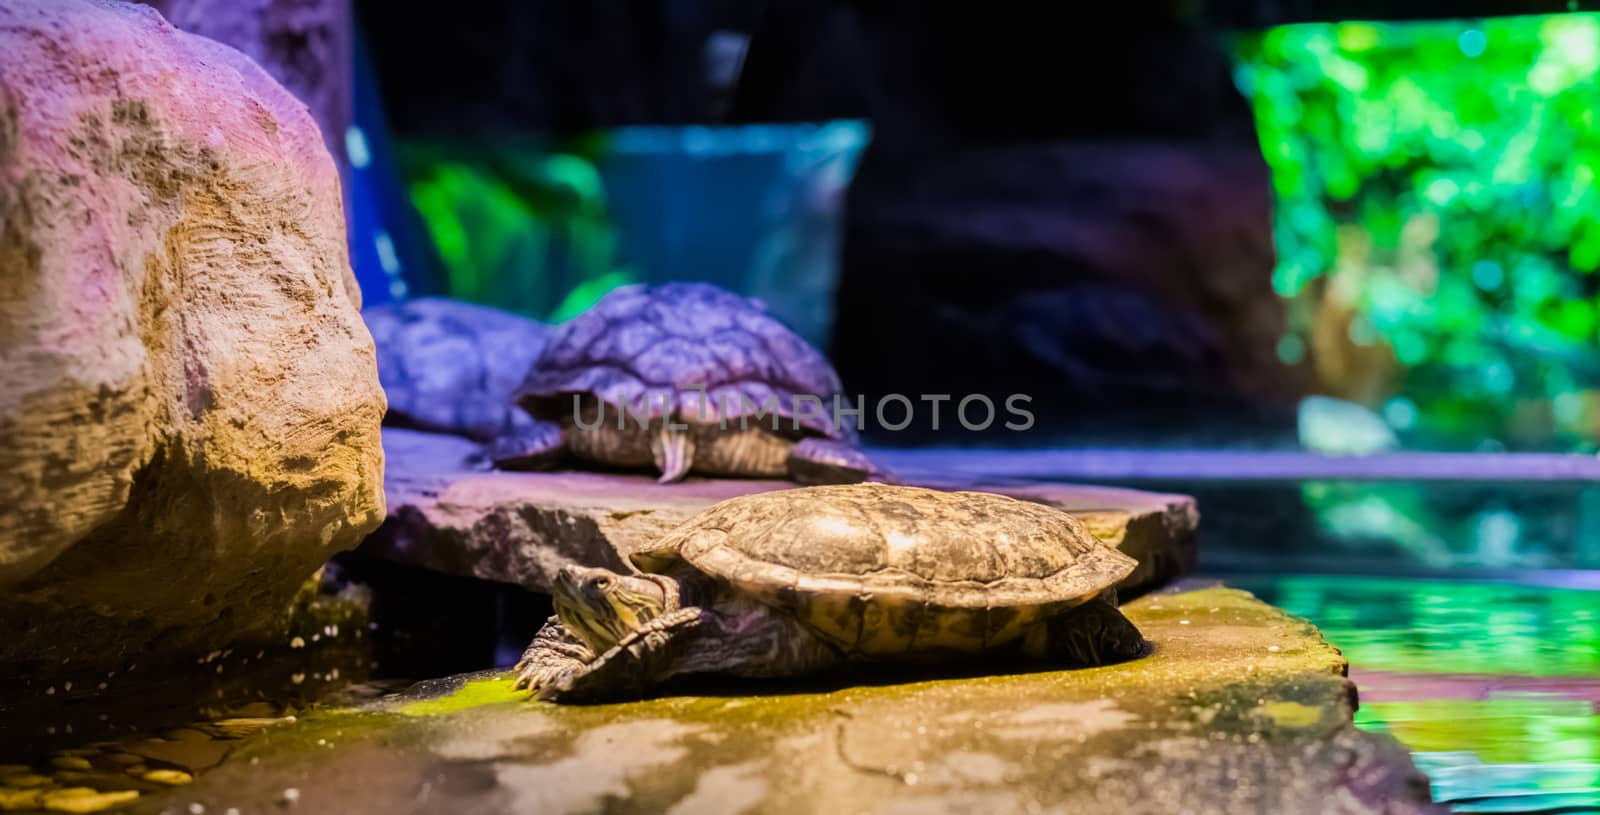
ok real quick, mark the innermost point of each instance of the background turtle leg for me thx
(553, 652)
(534, 447)
(673, 450)
(825, 461)
(644, 658)
(1094, 633)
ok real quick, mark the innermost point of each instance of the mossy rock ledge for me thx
(1241, 708)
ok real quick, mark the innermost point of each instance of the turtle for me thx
(685, 377)
(448, 366)
(798, 581)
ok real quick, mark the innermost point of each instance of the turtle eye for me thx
(603, 583)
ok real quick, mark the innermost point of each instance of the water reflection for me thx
(1496, 686)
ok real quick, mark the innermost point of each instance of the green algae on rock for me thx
(1241, 708)
(469, 695)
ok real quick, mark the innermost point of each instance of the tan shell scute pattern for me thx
(885, 568)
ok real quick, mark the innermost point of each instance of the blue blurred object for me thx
(546, 226)
(755, 209)
(389, 249)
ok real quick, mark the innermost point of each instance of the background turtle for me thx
(451, 367)
(685, 377)
(795, 581)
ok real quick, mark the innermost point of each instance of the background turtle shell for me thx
(451, 367)
(882, 569)
(646, 346)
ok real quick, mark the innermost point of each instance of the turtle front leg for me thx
(742, 637)
(817, 460)
(1095, 633)
(641, 660)
(534, 447)
(553, 653)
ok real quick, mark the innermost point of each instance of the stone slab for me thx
(449, 512)
(1240, 708)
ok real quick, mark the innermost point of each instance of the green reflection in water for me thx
(1498, 750)
(1512, 728)
(1508, 753)
(1442, 626)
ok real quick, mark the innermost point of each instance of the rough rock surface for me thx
(189, 404)
(446, 512)
(451, 367)
(1240, 708)
(304, 44)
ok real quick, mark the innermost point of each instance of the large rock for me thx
(188, 398)
(1240, 709)
(450, 514)
(304, 44)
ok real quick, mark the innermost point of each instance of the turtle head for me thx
(600, 607)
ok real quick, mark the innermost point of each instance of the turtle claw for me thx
(643, 658)
(825, 461)
(534, 677)
(535, 447)
(552, 654)
(534, 673)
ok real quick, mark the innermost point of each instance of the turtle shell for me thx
(690, 348)
(451, 367)
(883, 569)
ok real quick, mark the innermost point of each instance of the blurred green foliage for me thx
(1438, 220)
(542, 213)
(546, 225)
(1446, 626)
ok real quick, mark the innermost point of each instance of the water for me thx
(1480, 646)
(1494, 686)
(1407, 513)
(1493, 683)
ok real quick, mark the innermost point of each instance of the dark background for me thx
(1064, 203)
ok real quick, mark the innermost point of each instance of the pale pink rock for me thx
(189, 404)
(304, 44)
